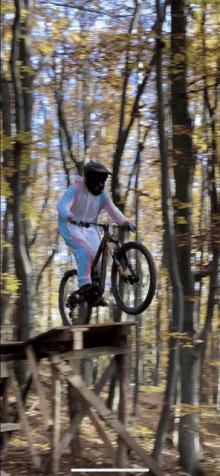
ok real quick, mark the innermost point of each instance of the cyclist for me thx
(82, 202)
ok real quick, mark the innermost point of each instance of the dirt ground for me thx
(16, 458)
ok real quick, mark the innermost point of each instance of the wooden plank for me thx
(49, 341)
(94, 401)
(55, 433)
(87, 352)
(102, 433)
(64, 333)
(94, 352)
(9, 427)
(3, 473)
(39, 386)
(23, 419)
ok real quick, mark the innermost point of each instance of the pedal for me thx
(102, 302)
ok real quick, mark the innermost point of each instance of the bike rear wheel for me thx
(79, 315)
(135, 291)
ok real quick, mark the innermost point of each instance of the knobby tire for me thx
(149, 262)
(64, 311)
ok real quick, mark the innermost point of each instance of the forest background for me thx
(137, 87)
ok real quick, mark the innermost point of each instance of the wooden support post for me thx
(102, 433)
(74, 408)
(55, 433)
(39, 386)
(121, 456)
(23, 418)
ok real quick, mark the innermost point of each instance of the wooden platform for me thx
(61, 346)
(90, 339)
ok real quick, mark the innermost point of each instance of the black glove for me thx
(129, 226)
(83, 224)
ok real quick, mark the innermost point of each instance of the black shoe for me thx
(89, 291)
(102, 302)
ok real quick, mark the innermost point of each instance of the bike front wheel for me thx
(134, 290)
(81, 313)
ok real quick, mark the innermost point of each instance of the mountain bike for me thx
(133, 278)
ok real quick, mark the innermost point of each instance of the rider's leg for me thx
(84, 244)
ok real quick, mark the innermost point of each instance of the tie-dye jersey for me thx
(83, 206)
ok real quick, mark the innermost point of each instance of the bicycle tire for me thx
(72, 318)
(149, 268)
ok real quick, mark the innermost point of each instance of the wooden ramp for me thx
(63, 347)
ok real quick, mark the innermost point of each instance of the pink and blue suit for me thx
(79, 204)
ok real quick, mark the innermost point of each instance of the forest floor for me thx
(16, 458)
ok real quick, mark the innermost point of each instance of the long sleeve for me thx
(66, 202)
(114, 211)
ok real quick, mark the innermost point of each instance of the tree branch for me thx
(203, 273)
(85, 9)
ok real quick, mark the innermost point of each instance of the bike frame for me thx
(103, 251)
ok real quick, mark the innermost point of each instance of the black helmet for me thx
(95, 176)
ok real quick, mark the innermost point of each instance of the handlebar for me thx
(105, 226)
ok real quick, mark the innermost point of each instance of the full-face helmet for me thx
(95, 176)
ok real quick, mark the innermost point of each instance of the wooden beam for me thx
(94, 401)
(70, 433)
(94, 352)
(55, 433)
(102, 433)
(23, 419)
(4, 427)
(39, 386)
(49, 341)
(69, 355)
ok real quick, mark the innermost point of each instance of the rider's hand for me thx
(78, 223)
(83, 224)
(129, 226)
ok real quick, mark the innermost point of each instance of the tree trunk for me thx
(158, 337)
(178, 315)
(4, 270)
(23, 110)
(189, 445)
(6, 126)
